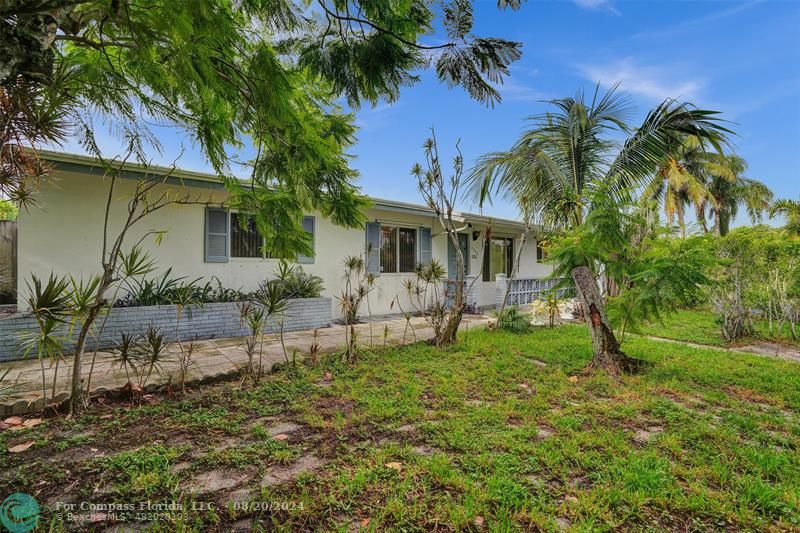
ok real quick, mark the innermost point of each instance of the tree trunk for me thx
(606, 352)
(448, 334)
(76, 399)
(717, 223)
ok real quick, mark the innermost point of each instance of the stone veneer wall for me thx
(209, 321)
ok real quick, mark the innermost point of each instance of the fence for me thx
(8, 261)
(526, 290)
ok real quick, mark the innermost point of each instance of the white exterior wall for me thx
(63, 235)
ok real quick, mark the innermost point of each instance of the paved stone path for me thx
(21, 389)
(761, 348)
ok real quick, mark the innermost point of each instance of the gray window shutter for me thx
(373, 251)
(425, 246)
(308, 227)
(216, 230)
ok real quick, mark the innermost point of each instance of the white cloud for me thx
(515, 92)
(652, 82)
(687, 25)
(598, 5)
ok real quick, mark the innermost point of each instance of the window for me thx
(398, 249)
(216, 241)
(308, 227)
(388, 249)
(246, 241)
(408, 249)
(498, 257)
(541, 253)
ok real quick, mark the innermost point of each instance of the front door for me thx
(463, 241)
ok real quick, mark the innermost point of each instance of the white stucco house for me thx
(63, 235)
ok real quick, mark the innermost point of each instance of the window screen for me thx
(408, 249)
(388, 249)
(246, 241)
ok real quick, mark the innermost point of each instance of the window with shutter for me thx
(216, 238)
(425, 246)
(308, 227)
(373, 248)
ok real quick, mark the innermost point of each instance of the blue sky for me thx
(741, 58)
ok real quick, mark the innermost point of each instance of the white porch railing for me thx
(525, 290)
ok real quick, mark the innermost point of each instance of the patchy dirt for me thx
(771, 349)
(281, 474)
(643, 436)
(216, 480)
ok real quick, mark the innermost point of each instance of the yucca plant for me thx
(50, 305)
(82, 294)
(253, 317)
(134, 264)
(356, 289)
(183, 296)
(154, 348)
(552, 302)
(272, 299)
(128, 356)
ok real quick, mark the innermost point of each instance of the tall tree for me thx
(568, 162)
(264, 72)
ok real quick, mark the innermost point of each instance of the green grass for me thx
(493, 429)
(700, 326)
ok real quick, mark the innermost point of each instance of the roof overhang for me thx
(83, 164)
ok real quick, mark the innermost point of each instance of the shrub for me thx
(291, 281)
(295, 283)
(511, 319)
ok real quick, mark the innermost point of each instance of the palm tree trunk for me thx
(606, 353)
(717, 223)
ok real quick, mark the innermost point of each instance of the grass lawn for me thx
(500, 433)
(700, 326)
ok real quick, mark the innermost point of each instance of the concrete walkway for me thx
(21, 388)
(786, 352)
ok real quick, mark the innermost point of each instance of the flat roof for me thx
(91, 165)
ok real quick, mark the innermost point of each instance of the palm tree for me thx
(728, 189)
(680, 182)
(569, 161)
(790, 210)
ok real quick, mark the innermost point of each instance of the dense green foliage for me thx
(254, 82)
(8, 210)
(290, 281)
(652, 272)
(511, 319)
(758, 271)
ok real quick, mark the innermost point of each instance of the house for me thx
(63, 235)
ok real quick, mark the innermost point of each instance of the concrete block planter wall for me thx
(210, 321)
